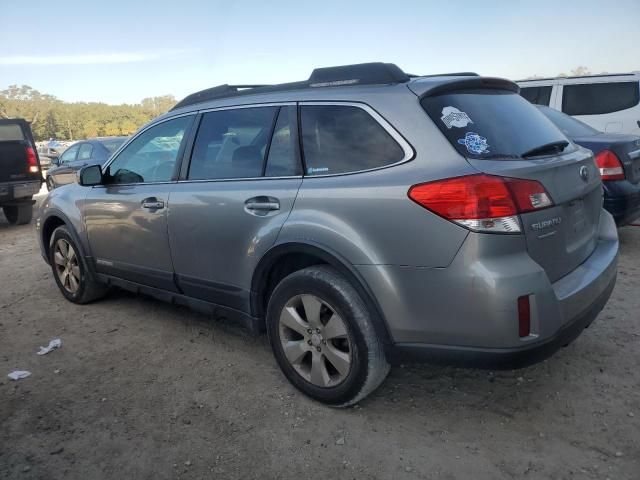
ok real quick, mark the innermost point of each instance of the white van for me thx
(609, 103)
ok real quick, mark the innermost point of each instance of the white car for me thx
(609, 103)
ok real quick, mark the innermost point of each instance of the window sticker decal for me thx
(311, 170)
(475, 143)
(452, 117)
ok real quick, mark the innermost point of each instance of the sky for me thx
(123, 51)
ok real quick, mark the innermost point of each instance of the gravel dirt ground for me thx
(142, 389)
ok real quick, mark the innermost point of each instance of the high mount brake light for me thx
(482, 203)
(609, 166)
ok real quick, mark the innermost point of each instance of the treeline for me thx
(53, 118)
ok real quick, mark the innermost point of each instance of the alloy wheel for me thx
(315, 340)
(67, 266)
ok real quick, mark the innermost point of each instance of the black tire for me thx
(368, 367)
(88, 289)
(18, 214)
(50, 184)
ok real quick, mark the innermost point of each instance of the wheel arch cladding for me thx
(287, 258)
(48, 227)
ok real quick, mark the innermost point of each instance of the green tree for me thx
(51, 117)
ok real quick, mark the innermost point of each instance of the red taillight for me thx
(524, 316)
(609, 165)
(482, 202)
(32, 161)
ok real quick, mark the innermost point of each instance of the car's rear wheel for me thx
(70, 271)
(323, 338)
(18, 214)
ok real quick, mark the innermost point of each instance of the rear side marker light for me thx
(32, 161)
(482, 203)
(609, 166)
(524, 316)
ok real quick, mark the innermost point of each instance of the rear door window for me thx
(537, 95)
(342, 139)
(599, 98)
(491, 124)
(11, 132)
(232, 143)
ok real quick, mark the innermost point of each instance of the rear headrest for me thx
(247, 154)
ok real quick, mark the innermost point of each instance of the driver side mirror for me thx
(90, 176)
(55, 161)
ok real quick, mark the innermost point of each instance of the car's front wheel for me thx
(70, 271)
(323, 337)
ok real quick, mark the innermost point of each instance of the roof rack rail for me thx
(455, 74)
(376, 73)
(628, 74)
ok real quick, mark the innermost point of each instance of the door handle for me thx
(152, 203)
(262, 204)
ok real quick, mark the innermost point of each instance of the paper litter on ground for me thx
(18, 374)
(53, 344)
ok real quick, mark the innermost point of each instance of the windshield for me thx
(571, 127)
(491, 124)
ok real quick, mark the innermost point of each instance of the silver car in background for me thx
(362, 218)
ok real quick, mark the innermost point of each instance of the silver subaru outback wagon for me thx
(362, 217)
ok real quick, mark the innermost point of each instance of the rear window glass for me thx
(113, 145)
(341, 139)
(11, 132)
(568, 125)
(537, 95)
(490, 123)
(599, 98)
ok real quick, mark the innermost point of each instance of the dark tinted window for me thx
(11, 131)
(151, 156)
(232, 143)
(282, 160)
(339, 139)
(537, 95)
(599, 98)
(571, 127)
(85, 151)
(490, 123)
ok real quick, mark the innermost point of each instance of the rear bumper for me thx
(466, 314)
(503, 358)
(15, 193)
(622, 200)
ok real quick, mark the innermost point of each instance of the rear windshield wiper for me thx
(552, 147)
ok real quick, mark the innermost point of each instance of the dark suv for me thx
(361, 217)
(20, 173)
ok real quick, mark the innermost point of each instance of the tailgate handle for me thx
(634, 155)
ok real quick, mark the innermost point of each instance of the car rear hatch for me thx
(18, 158)
(501, 134)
